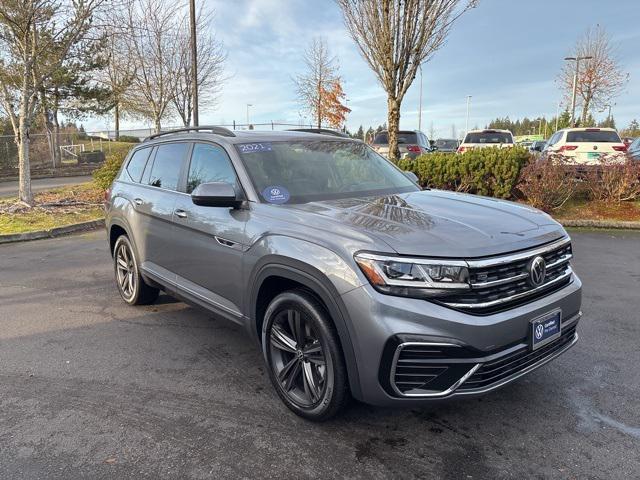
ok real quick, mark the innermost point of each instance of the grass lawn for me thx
(582, 209)
(54, 208)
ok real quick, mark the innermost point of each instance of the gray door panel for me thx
(209, 241)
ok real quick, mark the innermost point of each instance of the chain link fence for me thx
(72, 148)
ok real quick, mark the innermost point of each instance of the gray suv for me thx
(354, 281)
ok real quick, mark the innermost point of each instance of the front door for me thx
(209, 241)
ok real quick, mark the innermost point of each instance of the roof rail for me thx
(225, 132)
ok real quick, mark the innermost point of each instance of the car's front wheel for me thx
(132, 287)
(305, 361)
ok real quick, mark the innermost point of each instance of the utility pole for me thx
(557, 115)
(466, 129)
(194, 61)
(420, 105)
(575, 84)
(248, 105)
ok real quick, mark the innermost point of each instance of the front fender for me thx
(317, 268)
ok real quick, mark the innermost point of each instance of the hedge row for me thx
(492, 172)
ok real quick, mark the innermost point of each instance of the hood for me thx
(442, 224)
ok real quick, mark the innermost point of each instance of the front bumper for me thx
(401, 339)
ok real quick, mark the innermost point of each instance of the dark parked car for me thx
(537, 146)
(411, 143)
(446, 145)
(352, 281)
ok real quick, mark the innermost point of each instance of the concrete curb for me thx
(610, 224)
(53, 232)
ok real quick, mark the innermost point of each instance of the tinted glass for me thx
(446, 144)
(488, 137)
(593, 136)
(135, 167)
(320, 170)
(165, 172)
(209, 163)
(403, 137)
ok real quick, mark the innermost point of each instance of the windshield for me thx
(403, 137)
(306, 171)
(488, 137)
(593, 136)
(449, 144)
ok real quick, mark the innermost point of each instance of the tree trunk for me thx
(44, 109)
(22, 140)
(116, 114)
(156, 123)
(57, 160)
(393, 120)
(585, 112)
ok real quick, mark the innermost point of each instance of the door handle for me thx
(180, 213)
(137, 201)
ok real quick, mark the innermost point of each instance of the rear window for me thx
(488, 137)
(167, 165)
(593, 136)
(403, 137)
(451, 144)
(136, 165)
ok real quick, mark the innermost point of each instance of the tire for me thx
(311, 380)
(132, 287)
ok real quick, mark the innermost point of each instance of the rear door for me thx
(155, 202)
(209, 241)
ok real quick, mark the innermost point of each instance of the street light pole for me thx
(557, 115)
(194, 61)
(575, 84)
(466, 129)
(420, 105)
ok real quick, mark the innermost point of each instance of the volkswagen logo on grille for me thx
(539, 331)
(537, 271)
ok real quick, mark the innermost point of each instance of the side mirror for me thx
(216, 194)
(411, 176)
(432, 143)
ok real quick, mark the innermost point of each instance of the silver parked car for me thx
(411, 143)
(353, 281)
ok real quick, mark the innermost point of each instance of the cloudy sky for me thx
(505, 53)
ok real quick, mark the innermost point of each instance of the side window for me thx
(209, 163)
(136, 165)
(165, 171)
(554, 139)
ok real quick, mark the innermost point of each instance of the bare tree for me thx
(152, 45)
(211, 59)
(395, 37)
(600, 78)
(320, 76)
(117, 75)
(35, 38)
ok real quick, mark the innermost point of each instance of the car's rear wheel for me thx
(305, 361)
(132, 287)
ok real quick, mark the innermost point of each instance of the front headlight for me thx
(421, 278)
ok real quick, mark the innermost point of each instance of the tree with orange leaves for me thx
(333, 108)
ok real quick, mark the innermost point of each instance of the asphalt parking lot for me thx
(92, 388)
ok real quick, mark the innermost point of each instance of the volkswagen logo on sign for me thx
(539, 331)
(537, 271)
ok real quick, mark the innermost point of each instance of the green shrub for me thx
(128, 139)
(492, 172)
(104, 176)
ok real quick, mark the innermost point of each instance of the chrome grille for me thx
(503, 282)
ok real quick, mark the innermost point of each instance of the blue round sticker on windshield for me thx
(276, 194)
